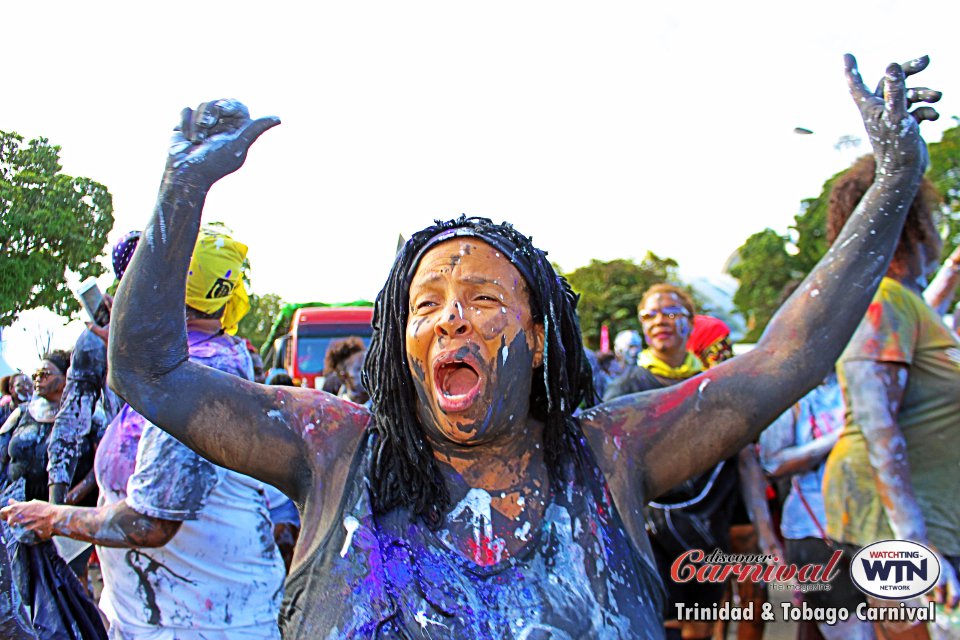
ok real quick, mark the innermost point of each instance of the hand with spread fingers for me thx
(212, 141)
(892, 128)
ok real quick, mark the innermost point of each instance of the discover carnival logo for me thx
(719, 566)
(895, 569)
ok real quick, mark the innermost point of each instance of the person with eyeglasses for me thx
(680, 345)
(25, 435)
(57, 601)
(666, 315)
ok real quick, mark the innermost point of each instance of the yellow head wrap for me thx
(214, 278)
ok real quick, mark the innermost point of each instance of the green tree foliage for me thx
(765, 265)
(767, 262)
(944, 172)
(256, 324)
(609, 292)
(50, 223)
(764, 268)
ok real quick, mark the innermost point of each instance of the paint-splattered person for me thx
(186, 548)
(343, 364)
(16, 390)
(891, 473)
(469, 502)
(698, 512)
(795, 446)
(694, 514)
(25, 436)
(79, 426)
(57, 604)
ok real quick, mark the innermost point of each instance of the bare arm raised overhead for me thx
(671, 434)
(253, 429)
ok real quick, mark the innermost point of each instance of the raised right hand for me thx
(212, 141)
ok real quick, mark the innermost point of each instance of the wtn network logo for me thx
(895, 569)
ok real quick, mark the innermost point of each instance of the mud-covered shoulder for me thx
(611, 433)
(330, 427)
(331, 431)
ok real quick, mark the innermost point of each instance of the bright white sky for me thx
(603, 129)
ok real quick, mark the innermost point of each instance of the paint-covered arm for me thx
(71, 426)
(939, 293)
(5, 435)
(232, 422)
(85, 379)
(82, 489)
(804, 457)
(115, 525)
(675, 433)
(875, 393)
(753, 487)
(781, 456)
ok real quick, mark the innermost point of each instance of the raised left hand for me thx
(892, 128)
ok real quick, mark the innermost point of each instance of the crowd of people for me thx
(475, 471)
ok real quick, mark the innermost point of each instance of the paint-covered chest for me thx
(28, 455)
(387, 576)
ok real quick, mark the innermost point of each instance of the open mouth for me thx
(457, 384)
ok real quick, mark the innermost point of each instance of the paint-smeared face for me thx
(48, 381)
(349, 372)
(627, 346)
(666, 323)
(21, 387)
(471, 342)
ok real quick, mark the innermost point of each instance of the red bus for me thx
(312, 328)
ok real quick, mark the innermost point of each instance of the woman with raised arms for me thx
(469, 501)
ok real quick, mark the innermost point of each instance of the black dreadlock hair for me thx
(404, 471)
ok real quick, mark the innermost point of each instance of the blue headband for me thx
(504, 245)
